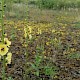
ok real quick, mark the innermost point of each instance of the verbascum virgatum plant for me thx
(4, 44)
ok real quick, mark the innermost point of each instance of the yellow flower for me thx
(25, 32)
(73, 49)
(30, 29)
(47, 43)
(7, 42)
(53, 31)
(18, 29)
(39, 31)
(55, 39)
(3, 49)
(30, 36)
(55, 76)
(0, 58)
(8, 58)
(5, 34)
(0, 29)
(0, 40)
(15, 27)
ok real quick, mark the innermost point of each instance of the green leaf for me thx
(50, 70)
(33, 66)
(74, 56)
(10, 78)
(37, 73)
(38, 60)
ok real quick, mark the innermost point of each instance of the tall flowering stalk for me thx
(2, 25)
(28, 38)
(26, 42)
(4, 45)
(26, 51)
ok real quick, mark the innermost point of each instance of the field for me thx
(45, 44)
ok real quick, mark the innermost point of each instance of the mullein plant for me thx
(28, 38)
(4, 47)
(5, 56)
(28, 32)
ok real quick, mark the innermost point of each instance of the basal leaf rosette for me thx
(3, 49)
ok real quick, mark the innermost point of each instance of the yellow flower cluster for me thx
(8, 58)
(7, 42)
(4, 47)
(27, 32)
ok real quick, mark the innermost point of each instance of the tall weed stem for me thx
(2, 25)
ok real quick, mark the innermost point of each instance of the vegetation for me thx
(58, 4)
(40, 40)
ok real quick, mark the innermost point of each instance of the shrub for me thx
(58, 4)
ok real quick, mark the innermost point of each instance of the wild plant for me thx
(4, 45)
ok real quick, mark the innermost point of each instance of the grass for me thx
(18, 10)
(74, 56)
(15, 9)
(51, 15)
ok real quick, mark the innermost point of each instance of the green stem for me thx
(3, 69)
(2, 20)
(25, 76)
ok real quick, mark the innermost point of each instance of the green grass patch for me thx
(77, 25)
(74, 56)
